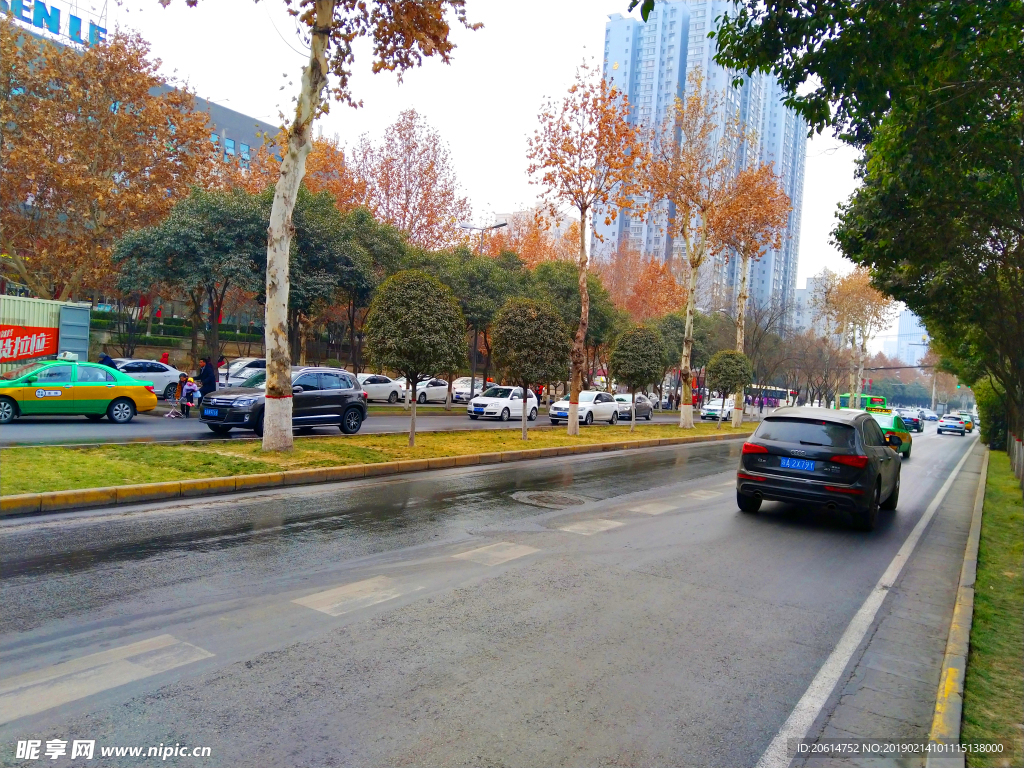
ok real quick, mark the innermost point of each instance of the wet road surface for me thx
(596, 610)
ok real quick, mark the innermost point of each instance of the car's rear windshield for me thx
(883, 420)
(807, 432)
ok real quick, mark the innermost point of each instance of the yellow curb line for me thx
(949, 700)
(58, 501)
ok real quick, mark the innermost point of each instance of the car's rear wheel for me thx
(614, 419)
(907, 454)
(650, 413)
(170, 390)
(748, 503)
(533, 415)
(121, 411)
(868, 518)
(589, 420)
(8, 410)
(894, 498)
(351, 421)
(219, 429)
(505, 414)
(393, 397)
(257, 426)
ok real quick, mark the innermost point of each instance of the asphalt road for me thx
(70, 430)
(585, 611)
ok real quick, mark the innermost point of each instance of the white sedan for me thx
(428, 391)
(502, 403)
(713, 410)
(163, 377)
(461, 389)
(594, 406)
(379, 387)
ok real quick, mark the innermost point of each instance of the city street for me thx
(65, 430)
(583, 611)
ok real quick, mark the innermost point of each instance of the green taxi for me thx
(892, 424)
(66, 387)
(968, 421)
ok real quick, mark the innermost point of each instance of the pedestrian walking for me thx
(107, 361)
(165, 358)
(207, 377)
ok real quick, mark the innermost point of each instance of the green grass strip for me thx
(994, 685)
(35, 470)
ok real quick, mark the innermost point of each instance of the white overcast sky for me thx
(239, 53)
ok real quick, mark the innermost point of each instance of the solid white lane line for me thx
(704, 495)
(46, 688)
(350, 597)
(814, 698)
(653, 508)
(590, 527)
(496, 554)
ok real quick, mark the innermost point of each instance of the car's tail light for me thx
(365, 396)
(150, 388)
(851, 461)
(745, 476)
(754, 448)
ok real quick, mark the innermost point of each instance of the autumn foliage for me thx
(93, 146)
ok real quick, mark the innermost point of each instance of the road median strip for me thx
(84, 498)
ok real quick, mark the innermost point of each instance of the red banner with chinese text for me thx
(21, 342)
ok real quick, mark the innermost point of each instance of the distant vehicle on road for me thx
(62, 387)
(713, 409)
(851, 401)
(164, 377)
(893, 424)
(968, 420)
(929, 414)
(644, 407)
(502, 403)
(319, 396)
(241, 369)
(461, 389)
(431, 390)
(380, 387)
(912, 419)
(836, 459)
(594, 406)
(951, 422)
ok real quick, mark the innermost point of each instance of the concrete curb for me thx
(949, 700)
(66, 501)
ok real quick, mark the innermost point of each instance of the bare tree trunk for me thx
(412, 417)
(686, 403)
(578, 356)
(741, 319)
(277, 414)
(472, 364)
(526, 405)
(448, 396)
(632, 408)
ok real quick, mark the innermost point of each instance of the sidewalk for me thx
(888, 690)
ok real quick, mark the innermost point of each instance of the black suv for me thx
(835, 459)
(320, 396)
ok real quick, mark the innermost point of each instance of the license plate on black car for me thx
(211, 412)
(801, 464)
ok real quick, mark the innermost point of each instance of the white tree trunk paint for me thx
(686, 402)
(577, 356)
(277, 415)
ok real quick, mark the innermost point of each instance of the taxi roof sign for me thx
(877, 409)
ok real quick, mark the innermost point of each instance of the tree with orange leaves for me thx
(411, 183)
(692, 168)
(655, 292)
(586, 155)
(753, 220)
(89, 150)
(403, 32)
(529, 235)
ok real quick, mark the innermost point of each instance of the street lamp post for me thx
(480, 243)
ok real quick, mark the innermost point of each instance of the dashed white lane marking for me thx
(590, 527)
(730, 484)
(351, 597)
(496, 554)
(704, 495)
(46, 688)
(653, 508)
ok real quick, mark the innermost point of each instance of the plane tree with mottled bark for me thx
(402, 33)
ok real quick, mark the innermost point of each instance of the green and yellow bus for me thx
(875, 401)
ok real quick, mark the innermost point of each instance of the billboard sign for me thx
(22, 342)
(54, 21)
